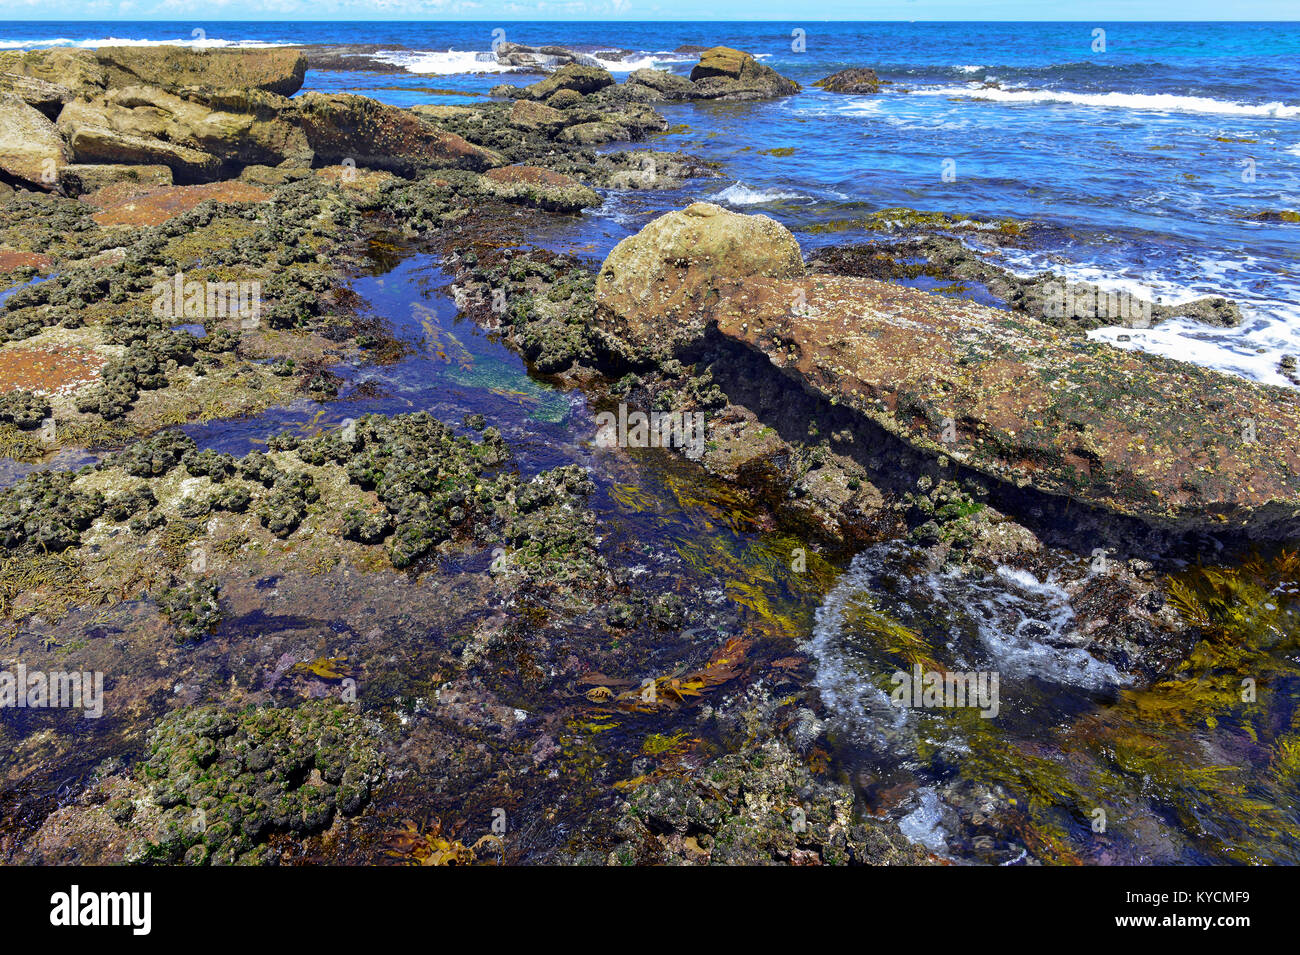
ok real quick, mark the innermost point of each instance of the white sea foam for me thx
(202, 43)
(1155, 102)
(1270, 326)
(650, 61)
(445, 63)
(1009, 621)
(739, 194)
(924, 824)
(450, 62)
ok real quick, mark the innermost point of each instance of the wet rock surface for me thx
(722, 74)
(1022, 403)
(855, 79)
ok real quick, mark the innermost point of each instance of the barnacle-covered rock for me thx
(228, 780)
(192, 609)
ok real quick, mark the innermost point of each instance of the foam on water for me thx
(645, 61)
(452, 62)
(739, 194)
(1154, 102)
(1270, 327)
(924, 824)
(1024, 628)
(444, 63)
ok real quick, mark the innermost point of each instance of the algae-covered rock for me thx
(1012, 398)
(573, 76)
(274, 69)
(662, 83)
(539, 187)
(638, 277)
(70, 69)
(528, 114)
(855, 79)
(595, 133)
(24, 409)
(45, 512)
(78, 179)
(371, 134)
(227, 780)
(725, 73)
(761, 806)
(192, 609)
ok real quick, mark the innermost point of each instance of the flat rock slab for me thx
(156, 206)
(11, 259)
(49, 371)
(1016, 400)
(274, 69)
(1172, 444)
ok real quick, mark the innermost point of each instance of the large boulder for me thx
(368, 133)
(724, 73)
(275, 69)
(640, 286)
(594, 133)
(102, 144)
(855, 79)
(543, 59)
(574, 76)
(530, 115)
(196, 140)
(1036, 410)
(664, 84)
(31, 149)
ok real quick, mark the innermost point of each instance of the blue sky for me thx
(784, 10)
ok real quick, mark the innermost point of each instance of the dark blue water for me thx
(1149, 153)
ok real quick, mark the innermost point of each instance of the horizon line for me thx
(310, 19)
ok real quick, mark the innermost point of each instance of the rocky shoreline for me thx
(840, 410)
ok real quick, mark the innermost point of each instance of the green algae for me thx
(226, 780)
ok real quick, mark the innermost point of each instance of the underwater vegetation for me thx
(1200, 765)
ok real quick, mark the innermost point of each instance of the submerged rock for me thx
(855, 79)
(1007, 396)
